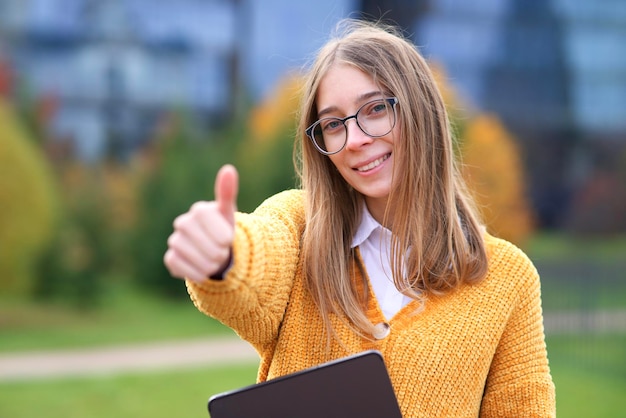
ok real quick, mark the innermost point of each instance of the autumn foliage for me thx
(28, 203)
(493, 169)
(277, 112)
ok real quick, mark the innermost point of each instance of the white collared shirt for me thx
(374, 242)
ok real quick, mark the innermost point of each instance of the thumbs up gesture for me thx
(201, 244)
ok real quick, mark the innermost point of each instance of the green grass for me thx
(564, 247)
(584, 393)
(589, 374)
(125, 316)
(155, 395)
(580, 273)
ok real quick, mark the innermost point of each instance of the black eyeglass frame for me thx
(393, 101)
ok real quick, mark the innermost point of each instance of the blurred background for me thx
(116, 114)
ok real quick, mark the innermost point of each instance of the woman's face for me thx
(365, 163)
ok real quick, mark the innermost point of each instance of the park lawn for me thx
(589, 372)
(565, 247)
(580, 274)
(124, 316)
(163, 394)
(589, 376)
(587, 393)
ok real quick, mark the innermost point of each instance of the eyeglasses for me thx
(375, 119)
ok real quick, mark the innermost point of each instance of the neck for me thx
(377, 209)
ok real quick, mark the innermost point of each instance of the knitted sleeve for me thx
(519, 382)
(252, 297)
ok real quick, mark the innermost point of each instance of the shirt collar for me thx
(367, 226)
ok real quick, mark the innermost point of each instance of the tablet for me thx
(353, 386)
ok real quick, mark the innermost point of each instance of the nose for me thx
(355, 137)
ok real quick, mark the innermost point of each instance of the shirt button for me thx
(381, 330)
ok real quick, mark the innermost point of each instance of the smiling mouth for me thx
(373, 164)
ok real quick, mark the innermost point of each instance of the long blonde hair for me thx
(437, 241)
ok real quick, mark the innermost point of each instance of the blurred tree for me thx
(73, 268)
(492, 165)
(265, 156)
(493, 169)
(178, 169)
(29, 204)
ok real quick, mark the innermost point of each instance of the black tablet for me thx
(354, 386)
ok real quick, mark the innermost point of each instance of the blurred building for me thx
(113, 66)
(555, 71)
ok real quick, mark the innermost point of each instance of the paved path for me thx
(218, 351)
(131, 358)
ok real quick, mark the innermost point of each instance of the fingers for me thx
(180, 268)
(201, 243)
(226, 189)
(200, 246)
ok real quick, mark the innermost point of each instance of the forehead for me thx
(344, 87)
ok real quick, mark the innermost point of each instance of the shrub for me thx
(179, 169)
(28, 205)
(82, 255)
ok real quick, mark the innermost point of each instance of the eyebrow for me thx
(359, 99)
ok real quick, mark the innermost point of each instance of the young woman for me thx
(380, 249)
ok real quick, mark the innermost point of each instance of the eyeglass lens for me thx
(375, 119)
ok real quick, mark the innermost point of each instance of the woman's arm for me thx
(519, 382)
(252, 296)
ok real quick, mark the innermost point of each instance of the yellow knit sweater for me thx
(478, 351)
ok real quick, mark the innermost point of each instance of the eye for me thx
(376, 108)
(331, 125)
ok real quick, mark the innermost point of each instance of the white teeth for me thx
(373, 164)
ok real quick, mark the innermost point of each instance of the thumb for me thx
(226, 189)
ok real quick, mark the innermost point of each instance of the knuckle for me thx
(169, 259)
(173, 240)
(184, 222)
(180, 220)
(198, 207)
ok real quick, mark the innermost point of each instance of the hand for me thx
(201, 244)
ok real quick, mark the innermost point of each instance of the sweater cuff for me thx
(221, 274)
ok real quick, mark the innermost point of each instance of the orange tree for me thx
(491, 166)
(494, 171)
